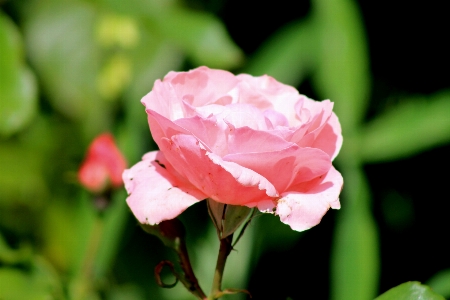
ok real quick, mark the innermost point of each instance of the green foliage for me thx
(35, 280)
(395, 133)
(289, 55)
(343, 67)
(410, 290)
(355, 262)
(18, 90)
(440, 283)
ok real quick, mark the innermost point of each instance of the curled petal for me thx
(315, 115)
(265, 92)
(209, 131)
(223, 181)
(330, 137)
(199, 87)
(156, 192)
(304, 208)
(285, 167)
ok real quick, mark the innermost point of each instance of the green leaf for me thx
(15, 284)
(355, 257)
(343, 65)
(13, 256)
(141, 8)
(415, 125)
(440, 283)
(171, 232)
(72, 67)
(39, 283)
(125, 292)
(234, 216)
(216, 210)
(114, 224)
(201, 35)
(61, 43)
(68, 218)
(149, 63)
(288, 55)
(18, 89)
(21, 180)
(410, 290)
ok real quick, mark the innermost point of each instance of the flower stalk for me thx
(189, 280)
(224, 250)
(172, 234)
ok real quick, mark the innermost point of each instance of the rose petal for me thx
(330, 137)
(275, 119)
(210, 132)
(264, 90)
(247, 140)
(304, 208)
(164, 100)
(286, 167)
(155, 192)
(318, 114)
(240, 115)
(160, 126)
(222, 181)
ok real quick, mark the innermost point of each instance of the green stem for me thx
(224, 251)
(189, 280)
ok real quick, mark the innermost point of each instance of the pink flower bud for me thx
(103, 166)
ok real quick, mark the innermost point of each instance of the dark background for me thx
(409, 54)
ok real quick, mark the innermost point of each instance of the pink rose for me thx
(238, 140)
(103, 166)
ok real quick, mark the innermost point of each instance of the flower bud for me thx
(103, 166)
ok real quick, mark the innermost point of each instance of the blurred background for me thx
(72, 69)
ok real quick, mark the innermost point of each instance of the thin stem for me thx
(189, 280)
(224, 251)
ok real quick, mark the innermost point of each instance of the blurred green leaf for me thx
(440, 283)
(21, 180)
(40, 282)
(66, 228)
(152, 60)
(72, 67)
(12, 256)
(16, 285)
(24, 188)
(141, 8)
(355, 258)
(125, 292)
(288, 55)
(343, 65)
(61, 44)
(415, 125)
(18, 90)
(410, 290)
(201, 35)
(114, 222)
